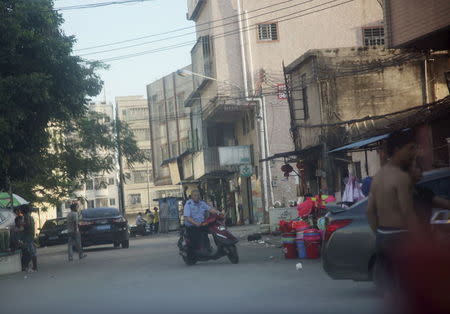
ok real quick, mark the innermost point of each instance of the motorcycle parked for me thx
(225, 243)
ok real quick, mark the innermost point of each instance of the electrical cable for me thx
(226, 33)
(181, 29)
(98, 5)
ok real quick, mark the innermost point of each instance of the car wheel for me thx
(125, 244)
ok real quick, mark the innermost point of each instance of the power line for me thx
(98, 5)
(200, 30)
(183, 28)
(230, 33)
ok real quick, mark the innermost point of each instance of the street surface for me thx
(150, 277)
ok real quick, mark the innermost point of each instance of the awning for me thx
(361, 145)
(292, 154)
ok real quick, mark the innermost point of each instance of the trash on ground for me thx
(299, 266)
(254, 237)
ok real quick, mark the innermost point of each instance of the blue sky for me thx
(97, 26)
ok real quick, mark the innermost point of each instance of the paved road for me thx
(150, 277)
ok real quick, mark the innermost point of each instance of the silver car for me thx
(349, 244)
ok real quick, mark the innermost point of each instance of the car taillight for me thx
(335, 225)
(85, 223)
(121, 219)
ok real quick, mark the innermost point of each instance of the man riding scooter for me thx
(194, 215)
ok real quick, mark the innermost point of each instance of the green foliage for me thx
(49, 140)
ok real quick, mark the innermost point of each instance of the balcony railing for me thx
(194, 8)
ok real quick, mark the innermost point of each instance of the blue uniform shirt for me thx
(196, 211)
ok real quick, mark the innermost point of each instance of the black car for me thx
(53, 232)
(105, 225)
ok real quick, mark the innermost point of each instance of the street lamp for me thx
(186, 73)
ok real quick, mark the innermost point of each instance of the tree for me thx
(49, 140)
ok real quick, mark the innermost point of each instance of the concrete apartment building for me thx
(170, 125)
(332, 86)
(139, 190)
(101, 189)
(242, 45)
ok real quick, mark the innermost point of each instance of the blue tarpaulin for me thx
(360, 144)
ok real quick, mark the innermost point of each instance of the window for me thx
(268, 32)
(90, 204)
(147, 152)
(111, 181)
(142, 134)
(154, 98)
(112, 202)
(140, 176)
(100, 183)
(135, 198)
(305, 96)
(101, 202)
(89, 184)
(133, 114)
(373, 36)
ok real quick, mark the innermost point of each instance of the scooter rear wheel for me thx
(188, 260)
(233, 255)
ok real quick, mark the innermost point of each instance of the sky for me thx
(104, 25)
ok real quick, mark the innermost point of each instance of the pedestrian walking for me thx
(390, 210)
(73, 233)
(28, 238)
(164, 218)
(156, 220)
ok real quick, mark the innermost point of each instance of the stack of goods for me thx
(289, 247)
(312, 239)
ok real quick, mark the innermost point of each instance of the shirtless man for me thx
(390, 211)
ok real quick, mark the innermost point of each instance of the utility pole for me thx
(119, 156)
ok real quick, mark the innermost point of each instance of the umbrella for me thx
(5, 200)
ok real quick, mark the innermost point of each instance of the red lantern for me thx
(287, 169)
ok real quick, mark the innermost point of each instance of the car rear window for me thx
(440, 186)
(52, 224)
(100, 213)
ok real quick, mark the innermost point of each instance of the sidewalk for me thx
(244, 231)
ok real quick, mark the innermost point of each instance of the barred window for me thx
(268, 32)
(140, 176)
(133, 114)
(373, 36)
(142, 134)
(134, 198)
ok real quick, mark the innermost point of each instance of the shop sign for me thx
(281, 91)
(246, 171)
(234, 155)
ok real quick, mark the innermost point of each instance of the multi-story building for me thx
(356, 96)
(239, 87)
(170, 125)
(138, 184)
(101, 189)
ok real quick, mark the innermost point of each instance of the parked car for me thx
(105, 225)
(349, 243)
(53, 232)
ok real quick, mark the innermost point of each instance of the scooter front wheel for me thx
(233, 255)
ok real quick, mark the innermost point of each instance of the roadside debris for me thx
(254, 237)
(299, 266)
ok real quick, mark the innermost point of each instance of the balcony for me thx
(194, 9)
(223, 110)
(201, 61)
(220, 161)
